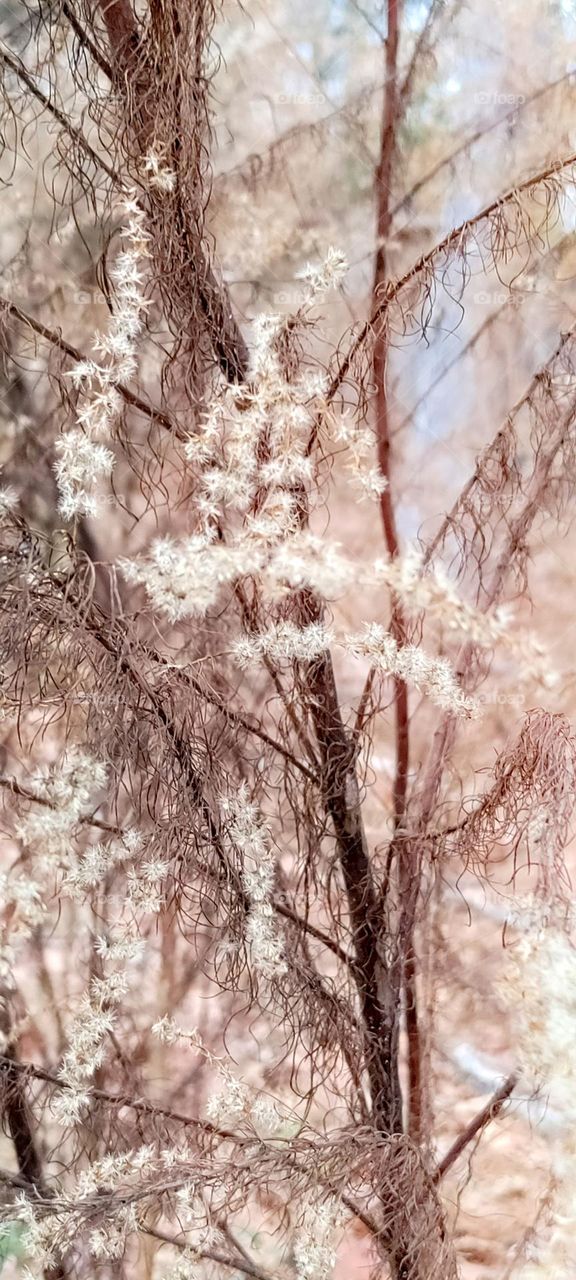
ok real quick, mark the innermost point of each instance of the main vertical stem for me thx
(384, 175)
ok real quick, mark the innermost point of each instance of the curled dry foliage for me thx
(190, 793)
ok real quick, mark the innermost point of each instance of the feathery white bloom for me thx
(70, 786)
(371, 481)
(8, 499)
(183, 578)
(283, 641)
(252, 839)
(161, 178)
(327, 275)
(109, 1241)
(276, 520)
(81, 464)
(41, 1232)
(85, 1052)
(230, 1103)
(145, 882)
(97, 861)
(168, 1031)
(121, 949)
(22, 898)
(434, 593)
(304, 560)
(540, 989)
(360, 444)
(315, 1243)
(70, 1105)
(186, 1267)
(434, 676)
(84, 371)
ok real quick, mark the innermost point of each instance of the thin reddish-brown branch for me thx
(477, 1125)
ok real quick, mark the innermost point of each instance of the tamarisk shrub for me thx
(218, 974)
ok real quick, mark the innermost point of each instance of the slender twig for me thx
(154, 1109)
(72, 353)
(240, 1263)
(24, 793)
(63, 120)
(384, 179)
(477, 136)
(454, 238)
(477, 1125)
(85, 39)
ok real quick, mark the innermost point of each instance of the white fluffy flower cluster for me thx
(83, 461)
(94, 1019)
(435, 594)
(315, 1243)
(234, 1100)
(96, 1011)
(158, 174)
(433, 676)
(97, 861)
(69, 787)
(360, 444)
(283, 642)
(184, 577)
(8, 499)
(252, 458)
(251, 838)
(326, 275)
(22, 904)
(540, 989)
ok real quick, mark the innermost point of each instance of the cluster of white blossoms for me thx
(315, 1243)
(432, 676)
(251, 457)
(234, 1099)
(83, 458)
(90, 869)
(69, 790)
(94, 1019)
(158, 175)
(234, 1102)
(360, 443)
(47, 1235)
(69, 787)
(283, 642)
(252, 840)
(8, 499)
(433, 592)
(96, 1012)
(540, 989)
(22, 905)
(327, 275)
(183, 578)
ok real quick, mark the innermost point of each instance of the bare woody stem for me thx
(407, 875)
(477, 1125)
(342, 799)
(128, 57)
